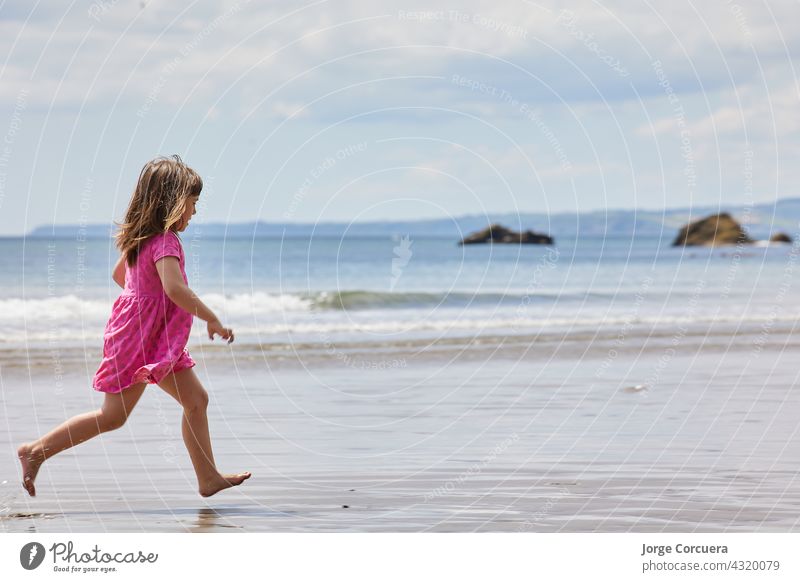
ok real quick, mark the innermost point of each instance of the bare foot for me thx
(30, 467)
(223, 482)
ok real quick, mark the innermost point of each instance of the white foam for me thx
(70, 318)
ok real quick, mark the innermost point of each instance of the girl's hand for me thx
(216, 327)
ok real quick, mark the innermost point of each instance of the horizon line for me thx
(419, 220)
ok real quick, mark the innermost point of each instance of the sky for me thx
(353, 111)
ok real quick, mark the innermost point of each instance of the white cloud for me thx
(126, 40)
(730, 64)
(748, 111)
(283, 109)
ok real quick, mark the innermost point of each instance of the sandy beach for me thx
(666, 431)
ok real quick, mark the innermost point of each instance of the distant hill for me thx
(759, 220)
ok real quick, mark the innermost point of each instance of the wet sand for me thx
(700, 439)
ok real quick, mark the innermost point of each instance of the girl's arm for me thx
(119, 272)
(169, 270)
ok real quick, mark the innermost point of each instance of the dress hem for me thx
(150, 378)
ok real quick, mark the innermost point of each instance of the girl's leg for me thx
(112, 415)
(185, 387)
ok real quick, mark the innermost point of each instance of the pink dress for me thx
(145, 337)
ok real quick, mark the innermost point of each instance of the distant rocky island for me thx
(496, 233)
(718, 230)
(763, 220)
(780, 237)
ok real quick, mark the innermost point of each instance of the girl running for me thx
(145, 337)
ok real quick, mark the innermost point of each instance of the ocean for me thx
(322, 290)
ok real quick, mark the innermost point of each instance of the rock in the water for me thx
(714, 230)
(496, 233)
(780, 237)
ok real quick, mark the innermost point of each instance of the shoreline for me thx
(578, 344)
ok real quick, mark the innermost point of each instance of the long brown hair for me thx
(164, 187)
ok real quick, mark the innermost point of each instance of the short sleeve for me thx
(166, 245)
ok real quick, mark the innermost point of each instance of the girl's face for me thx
(188, 211)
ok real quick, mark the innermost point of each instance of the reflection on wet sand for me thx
(480, 444)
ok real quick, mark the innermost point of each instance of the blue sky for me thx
(344, 110)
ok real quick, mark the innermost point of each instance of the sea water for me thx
(315, 290)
